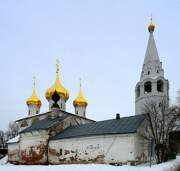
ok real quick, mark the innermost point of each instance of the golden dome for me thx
(151, 26)
(62, 92)
(80, 100)
(33, 99)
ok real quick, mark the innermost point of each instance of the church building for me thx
(60, 137)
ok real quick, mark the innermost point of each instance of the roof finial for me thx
(151, 17)
(80, 82)
(34, 82)
(151, 25)
(57, 66)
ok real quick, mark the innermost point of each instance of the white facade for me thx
(96, 149)
(33, 147)
(13, 152)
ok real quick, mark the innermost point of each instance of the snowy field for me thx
(168, 166)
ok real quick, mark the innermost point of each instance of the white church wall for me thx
(140, 148)
(33, 147)
(13, 152)
(96, 149)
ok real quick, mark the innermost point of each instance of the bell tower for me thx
(152, 84)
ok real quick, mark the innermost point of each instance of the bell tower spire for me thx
(152, 82)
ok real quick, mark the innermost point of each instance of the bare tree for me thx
(161, 121)
(12, 130)
(2, 139)
(178, 97)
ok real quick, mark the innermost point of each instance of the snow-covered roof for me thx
(14, 140)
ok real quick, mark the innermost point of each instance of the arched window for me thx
(138, 91)
(147, 87)
(24, 124)
(160, 86)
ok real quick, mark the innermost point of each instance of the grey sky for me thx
(101, 41)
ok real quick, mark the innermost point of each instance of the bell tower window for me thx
(138, 91)
(160, 86)
(147, 87)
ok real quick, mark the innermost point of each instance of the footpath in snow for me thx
(172, 165)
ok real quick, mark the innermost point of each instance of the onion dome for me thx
(151, 26)
(57, 87)
(80, 100)
(33, 99)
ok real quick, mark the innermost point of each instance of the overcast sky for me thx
(101, 41)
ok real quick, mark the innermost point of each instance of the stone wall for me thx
(13, 153)
(33, 148)
(95, 149)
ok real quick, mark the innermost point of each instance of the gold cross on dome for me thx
(151, 18)
(34, 81)
(57, 66)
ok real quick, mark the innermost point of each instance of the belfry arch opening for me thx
(138, 91)
(147, 87)
(160, 86)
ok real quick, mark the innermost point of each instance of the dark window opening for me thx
(160, 86)
(61, 105)
(148, 72)
(160, 105)
(157, 71)
(55, 98)
(147, 87)
(60, 152)
(24, 124)
(77, 112)
(138, 91)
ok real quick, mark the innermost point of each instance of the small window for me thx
(24, 124)
(77, 112)
(60, 152)
(147, 87)
(148, 73)
(157, 71)
(160, 104)
(61, 105)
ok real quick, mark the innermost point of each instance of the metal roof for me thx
(44, 124)
(123, 125)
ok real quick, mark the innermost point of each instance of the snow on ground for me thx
(168, 166)
(3, 161)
